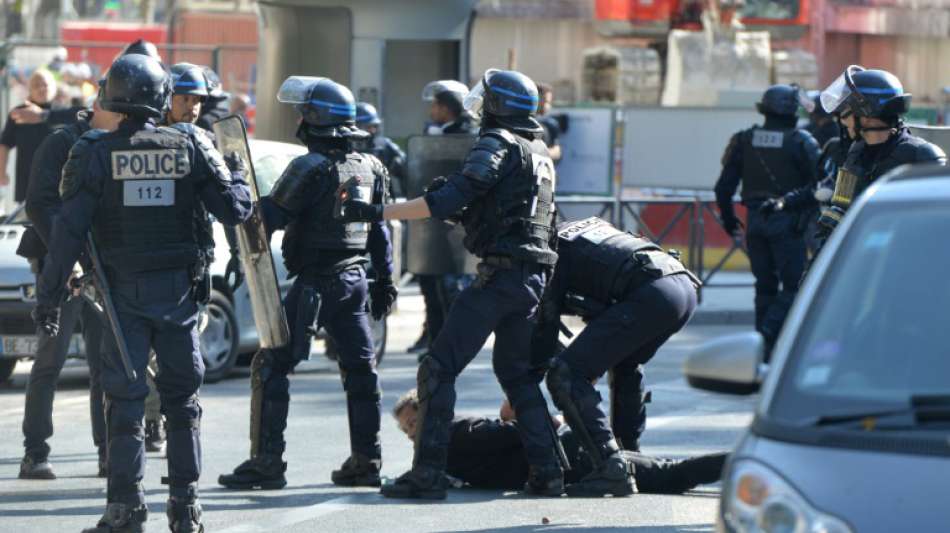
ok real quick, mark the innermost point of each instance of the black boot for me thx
(262, 472)
(545, 481)
(33, 468)
(121, 518)
(420, 483)
(614, 476)
(184, 515)
(698, 471)
(154, 436)
(358, 471)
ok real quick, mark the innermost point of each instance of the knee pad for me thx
(360, 385)
(183, 415)
(125, 418)
(430, 376)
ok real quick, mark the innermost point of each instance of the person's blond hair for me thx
(409, 399)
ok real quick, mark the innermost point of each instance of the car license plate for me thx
(19, 345)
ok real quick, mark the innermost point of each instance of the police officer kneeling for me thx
(328, 258)
(136, 189)
(634, 297)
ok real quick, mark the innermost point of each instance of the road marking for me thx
(290, 518)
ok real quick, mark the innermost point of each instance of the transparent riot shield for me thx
(256, 257)
(434, 247)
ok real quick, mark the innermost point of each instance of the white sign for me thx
(586, 163)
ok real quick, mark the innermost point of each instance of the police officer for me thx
(634, 296)
(142, 47)
(42, 206)
(777, 166)
(504, 197)
(874, 101)
(135, 190)
(216, 106)
(388, 152)
(822, 125)
(328, 258)
(447, 116)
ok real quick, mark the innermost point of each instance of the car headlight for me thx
(758, 500)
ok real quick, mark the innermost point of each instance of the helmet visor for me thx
(474, 99)
(835, 95)
(442, 86)
(806, 100)
(296, 89)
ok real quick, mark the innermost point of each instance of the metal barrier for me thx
(691, 208)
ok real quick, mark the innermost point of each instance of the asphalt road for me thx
(682, 422)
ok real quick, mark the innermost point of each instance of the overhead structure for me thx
(385, 50)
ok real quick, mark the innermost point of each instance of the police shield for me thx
(939, 135)
(435, 247)
(256, 256)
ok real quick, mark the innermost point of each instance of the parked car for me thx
(226, 327)
(852, 430)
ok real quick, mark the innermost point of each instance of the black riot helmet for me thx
(366, 115)
(505, 96)
(142, 47)
(327, 108)
(215, 91)
(867, 93)
(188, 78)
(781, 100)
(136, 85)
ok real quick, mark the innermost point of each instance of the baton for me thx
(105, 295)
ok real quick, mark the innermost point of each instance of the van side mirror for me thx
(732, 364)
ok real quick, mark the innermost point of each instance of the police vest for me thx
(515, 218)
(602, 263)
(316, 228)
(146, 219)
(770, 166)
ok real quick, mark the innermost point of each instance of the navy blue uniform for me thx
(634, 297)
(136, 189)
(328, 258)
(506, 190)
(772, 162)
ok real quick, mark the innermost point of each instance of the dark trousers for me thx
(439, 291)
(157, 311)
(41, 388)
(777, 257)
(622, 339)
(337, 302)
(503, 303)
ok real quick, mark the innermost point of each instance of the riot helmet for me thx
(136, 85)
(868, 94)
(215, 91)
(188, 78)
(327, 108)
(366, 115)
(781, 100)
(142, 47)
(506, 96)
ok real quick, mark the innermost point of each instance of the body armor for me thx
(603, 263)
(769, 163)
(514, 218)
(316, 228)
(146, 220)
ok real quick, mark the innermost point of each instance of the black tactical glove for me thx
(46, 318)
(382, 297)
(772, 205)
(235, 163)
(437, 184)
(732, 225)
(234, 269)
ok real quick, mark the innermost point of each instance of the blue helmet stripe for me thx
(189, 84)
(876, 90)
(513, 94)
(519, 105)
(364, 118)
(345, 110)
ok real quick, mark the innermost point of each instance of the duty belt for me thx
(501, 261)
